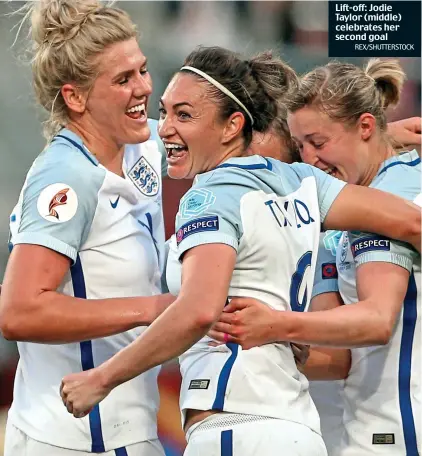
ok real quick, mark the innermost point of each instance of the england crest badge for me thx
(144, 177)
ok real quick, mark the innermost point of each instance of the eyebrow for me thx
(122, 73)
(177, 105)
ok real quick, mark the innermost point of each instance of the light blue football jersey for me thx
(383, 391)
(328, 395)
(112, 230)
(270, 213)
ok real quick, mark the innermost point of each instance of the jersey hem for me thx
(46, 241)
(109, 445)
(393, 258)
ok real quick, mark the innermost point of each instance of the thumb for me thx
(235, 305)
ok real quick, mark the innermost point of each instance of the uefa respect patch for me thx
(370, 244)
(210, 223)
(329, 271)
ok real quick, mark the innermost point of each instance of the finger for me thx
(222, 328)
(226, 318)
(415, 138)
(235, 304)
(217, 335)
(69, 407)
(82, 414)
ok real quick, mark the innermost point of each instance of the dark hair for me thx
(260, 83)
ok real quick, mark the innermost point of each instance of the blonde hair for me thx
(67, 37)
(344, 91)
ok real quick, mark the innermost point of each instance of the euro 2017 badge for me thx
(57, 203)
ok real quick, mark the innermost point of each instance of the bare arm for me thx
(207, 271)
(375, 211)
(368, 322)
(32, 310)
(381, 291)
(406, 133)
(327, 363)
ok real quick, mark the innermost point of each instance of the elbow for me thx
(205, 319)
(13, 325)
(9, 328)
(382, 334)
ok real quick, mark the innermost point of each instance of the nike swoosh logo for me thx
(114, 205)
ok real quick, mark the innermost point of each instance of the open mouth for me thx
(175, 152)
(330, 171)
(137, 112)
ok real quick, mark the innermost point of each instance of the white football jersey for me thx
(270, 213)
(112, 230)
(383, 390)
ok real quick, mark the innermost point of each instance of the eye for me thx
(183, 115)
(143, 70)
(319, 146)
(298, 145)
(124, 81)
(162, 112)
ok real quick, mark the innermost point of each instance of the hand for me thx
(81, 392)
(406, 133)
(301, 354)
(245, 321)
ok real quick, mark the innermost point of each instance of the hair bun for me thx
(56, 21)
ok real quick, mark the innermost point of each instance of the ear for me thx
(74, 98)
(367, 125)
(233, 127)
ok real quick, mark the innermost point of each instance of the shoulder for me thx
(61, 161)
(62, 172)
(400, 176)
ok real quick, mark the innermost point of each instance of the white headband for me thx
(219, 86)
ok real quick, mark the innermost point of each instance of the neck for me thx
(107, 152)
(236, 149)
(378, 154)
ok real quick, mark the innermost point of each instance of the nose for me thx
(308, 155)
(143, 85)
(165, 127)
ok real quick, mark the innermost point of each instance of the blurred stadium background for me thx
(169, 31)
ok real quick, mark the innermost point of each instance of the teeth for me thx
(174, 146)
(329, 171)
(137, 108)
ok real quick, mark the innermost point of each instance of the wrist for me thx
(104, 377)
(284, 325)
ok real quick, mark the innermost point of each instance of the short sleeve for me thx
(400, 177)
(210, 213)
(369, 247)
(326, 277)
(328, 187)
(57, 204)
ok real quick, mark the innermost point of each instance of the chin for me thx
(177, 172)
(139, 136)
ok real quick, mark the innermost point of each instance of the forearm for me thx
(327, 364)
(56, 318)
(377, 212)
(352, 325)
(176, 330)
